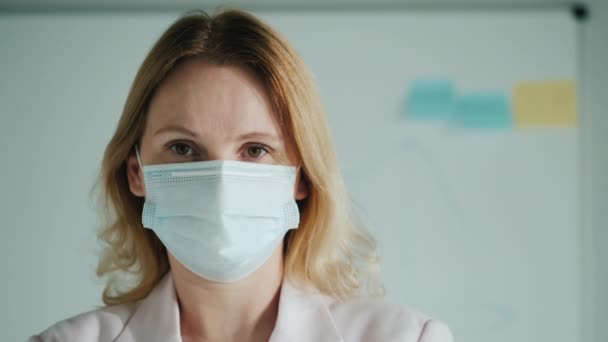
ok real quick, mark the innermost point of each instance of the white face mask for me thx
(221, 219)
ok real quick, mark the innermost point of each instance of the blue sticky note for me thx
(430, 100)
(483, 111)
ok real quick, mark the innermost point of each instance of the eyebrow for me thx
(173, 128)
(186, 131)
(258, 135)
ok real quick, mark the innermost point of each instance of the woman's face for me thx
(203, 112)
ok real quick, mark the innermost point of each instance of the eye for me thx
(182, 149)
(255, 151)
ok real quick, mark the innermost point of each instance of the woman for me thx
(227, 212)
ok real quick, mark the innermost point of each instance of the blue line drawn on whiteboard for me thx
(412, 144)
(415, 145)
(430, 100)
(491, 314)
(483, 111)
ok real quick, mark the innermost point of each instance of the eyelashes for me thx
(256, 150)
(177, 148)
(251, 151)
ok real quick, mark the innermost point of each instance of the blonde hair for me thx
(330, 250)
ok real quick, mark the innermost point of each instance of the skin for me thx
(203, 112)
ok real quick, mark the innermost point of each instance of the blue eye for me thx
(182, 149)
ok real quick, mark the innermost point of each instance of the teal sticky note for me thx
(430, 100)
(483, 111)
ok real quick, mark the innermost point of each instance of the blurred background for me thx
(471, 134)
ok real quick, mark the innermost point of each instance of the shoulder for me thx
(365, 319)
(103, 324)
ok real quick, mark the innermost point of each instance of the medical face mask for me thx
(221, 219)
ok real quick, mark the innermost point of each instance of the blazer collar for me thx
(156, 318)
(303, 316)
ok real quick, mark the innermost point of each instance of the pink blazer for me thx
(302, 317)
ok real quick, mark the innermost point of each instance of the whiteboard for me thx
(479, 229)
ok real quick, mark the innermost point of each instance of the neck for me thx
(245, 310)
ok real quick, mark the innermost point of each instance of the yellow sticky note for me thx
(544, 103)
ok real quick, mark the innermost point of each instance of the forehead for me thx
(212, 99)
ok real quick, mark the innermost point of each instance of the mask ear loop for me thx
(298, 169)
(289, 234)
(141, 165)
(138, 157)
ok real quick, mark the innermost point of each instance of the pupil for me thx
(254, 151)
(182, 149)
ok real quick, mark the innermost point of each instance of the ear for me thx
(301, 191)
(135, 177)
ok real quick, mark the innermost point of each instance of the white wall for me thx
(59, 105)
